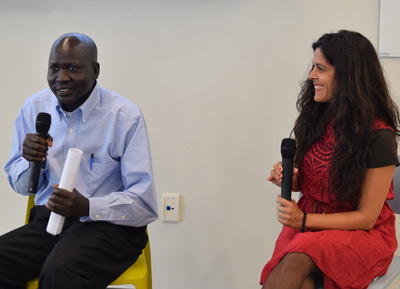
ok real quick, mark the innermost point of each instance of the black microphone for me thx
(288, 150)
(43, 122)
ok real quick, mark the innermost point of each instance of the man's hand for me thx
(34, 148)
(68, 204)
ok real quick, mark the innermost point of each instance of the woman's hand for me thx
(276, 177)
(289, 213)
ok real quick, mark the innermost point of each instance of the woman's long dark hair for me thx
(360, 96)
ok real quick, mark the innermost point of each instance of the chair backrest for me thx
(31, 203)
(395, 203)
(147, 254)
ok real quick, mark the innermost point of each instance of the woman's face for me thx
(323, 77)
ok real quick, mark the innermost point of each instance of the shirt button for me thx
(97, 216)
(123, 217)
(71, 130)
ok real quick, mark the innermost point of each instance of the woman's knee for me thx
(299, 262)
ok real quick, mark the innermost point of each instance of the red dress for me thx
(348, 259)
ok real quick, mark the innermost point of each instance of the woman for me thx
(342, 229)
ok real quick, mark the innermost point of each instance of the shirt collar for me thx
(86, 108)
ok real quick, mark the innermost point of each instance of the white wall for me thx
(217, 81)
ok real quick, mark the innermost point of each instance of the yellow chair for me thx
(138, 275)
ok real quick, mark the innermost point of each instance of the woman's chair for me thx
(138, 275)
(393, 272)
(394, 269)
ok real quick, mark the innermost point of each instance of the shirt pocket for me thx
(98, 177)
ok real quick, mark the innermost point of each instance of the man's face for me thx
(71, 75)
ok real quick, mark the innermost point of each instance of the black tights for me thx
(294, 271)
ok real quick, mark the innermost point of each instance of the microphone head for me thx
(43, 122)
(288, 148)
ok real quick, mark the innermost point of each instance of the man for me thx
(114, 197)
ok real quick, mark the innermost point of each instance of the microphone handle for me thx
(286, 188)
(34, 177)
(35, 171)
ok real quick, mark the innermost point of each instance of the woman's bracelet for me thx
(303, 226)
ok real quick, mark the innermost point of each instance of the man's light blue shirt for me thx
(119, 182)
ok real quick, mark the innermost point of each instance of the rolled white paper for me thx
(67, 182)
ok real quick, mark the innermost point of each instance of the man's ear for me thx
(96, 70)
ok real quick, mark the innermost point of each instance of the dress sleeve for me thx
(383, 149)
